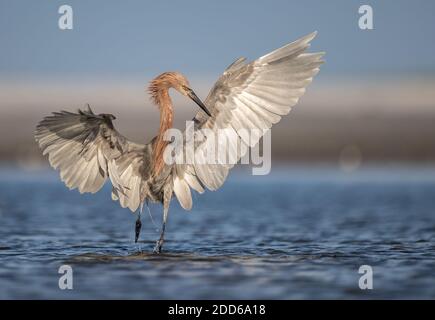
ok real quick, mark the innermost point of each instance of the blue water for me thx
(297, 233)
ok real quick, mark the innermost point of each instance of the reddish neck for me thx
(164, 102)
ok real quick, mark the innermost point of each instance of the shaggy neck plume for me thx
(161, 98)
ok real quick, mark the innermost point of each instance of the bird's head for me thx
(162, 83)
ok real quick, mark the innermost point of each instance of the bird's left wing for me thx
(248, 96)
(87, 149)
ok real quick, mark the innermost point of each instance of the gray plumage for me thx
(253, 96)
(87, 149)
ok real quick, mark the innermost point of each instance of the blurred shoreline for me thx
(381, 121)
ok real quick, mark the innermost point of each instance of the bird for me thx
(87, 150)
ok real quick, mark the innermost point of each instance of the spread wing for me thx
(87, 149)
(251, 95)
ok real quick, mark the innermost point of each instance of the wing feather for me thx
(87, 150)
(251, 95)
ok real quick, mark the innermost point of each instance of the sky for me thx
(200, 38)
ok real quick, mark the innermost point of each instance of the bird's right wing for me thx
(251, 95)
(87, 149)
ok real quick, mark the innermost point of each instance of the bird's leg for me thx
(159, 243)
(137, 228)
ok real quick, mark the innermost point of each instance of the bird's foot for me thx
(158, 247)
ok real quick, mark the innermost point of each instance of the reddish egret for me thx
(87, 149)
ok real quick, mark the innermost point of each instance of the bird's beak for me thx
(198, 101)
